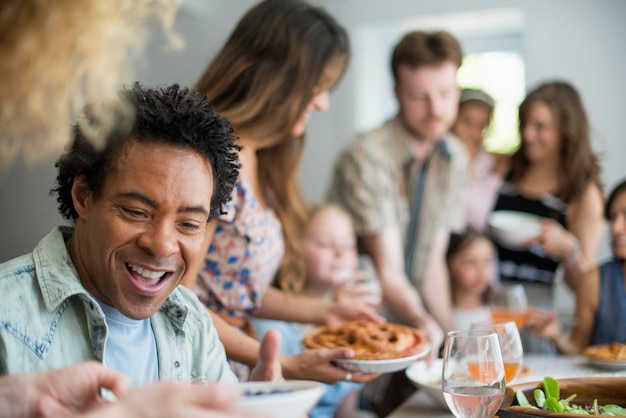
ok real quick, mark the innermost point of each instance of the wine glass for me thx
(473, 378)
(509, 303)
(510, 345)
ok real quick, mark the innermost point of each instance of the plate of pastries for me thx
(611, 356)
(378, 347)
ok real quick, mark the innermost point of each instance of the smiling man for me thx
(106, 288)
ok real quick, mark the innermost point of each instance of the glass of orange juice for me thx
(509, 303)
(510, 345)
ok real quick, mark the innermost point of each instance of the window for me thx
(501, 75)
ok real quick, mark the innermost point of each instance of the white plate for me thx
(381, 366)
(428, 379)
(608, 364)
(512, 228)
(289, 399)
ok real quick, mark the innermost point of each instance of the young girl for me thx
(331, 261)
(333, 269)
(486, 168)
(600, 295)
(471, 265)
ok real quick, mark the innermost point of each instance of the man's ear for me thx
(81, 196)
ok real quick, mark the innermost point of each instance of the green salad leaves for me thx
(550, 399)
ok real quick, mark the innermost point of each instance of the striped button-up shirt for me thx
(373, 181)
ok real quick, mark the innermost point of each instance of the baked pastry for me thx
(369, 340)
(613, 351)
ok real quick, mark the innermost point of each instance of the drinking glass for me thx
(509, 303)
(473, 379)
(370, 285)
(363, 290)
(510, 345)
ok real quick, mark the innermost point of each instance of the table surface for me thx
(421, 405)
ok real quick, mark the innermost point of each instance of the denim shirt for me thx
(610, 316)
(48, 320)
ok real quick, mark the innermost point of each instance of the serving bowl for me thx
(512, 228)
(288, 399)
(607, 390)
(428, 379)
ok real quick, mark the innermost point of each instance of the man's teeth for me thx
(149, 274)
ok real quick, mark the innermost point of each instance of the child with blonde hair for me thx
(332, 272)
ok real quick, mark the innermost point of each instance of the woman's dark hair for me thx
(173, 116)
(617, 190)
(459, 241)
(579, 163)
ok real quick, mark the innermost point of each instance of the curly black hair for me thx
(171, 115)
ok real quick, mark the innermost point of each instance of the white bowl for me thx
(512, 228)
(381, 366)
(428, 379)
(289, 399)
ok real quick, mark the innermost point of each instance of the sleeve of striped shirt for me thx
(456, 215)
(362, 184)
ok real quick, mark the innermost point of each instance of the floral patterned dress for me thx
(243, 257)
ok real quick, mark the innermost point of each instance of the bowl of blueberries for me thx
(287, 399)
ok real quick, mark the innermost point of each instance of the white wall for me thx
(578, 40)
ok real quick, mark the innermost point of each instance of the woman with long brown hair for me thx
(555, 175)
(274, 71)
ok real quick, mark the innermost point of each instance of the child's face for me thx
(330, 248)
(472, 268)
(472, 122)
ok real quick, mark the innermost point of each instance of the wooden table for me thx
(421, 405)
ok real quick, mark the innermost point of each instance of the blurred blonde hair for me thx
(58, 55)
(323, 207)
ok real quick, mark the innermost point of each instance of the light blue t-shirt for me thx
(130, 347)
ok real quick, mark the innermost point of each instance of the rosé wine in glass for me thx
(473, 378)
